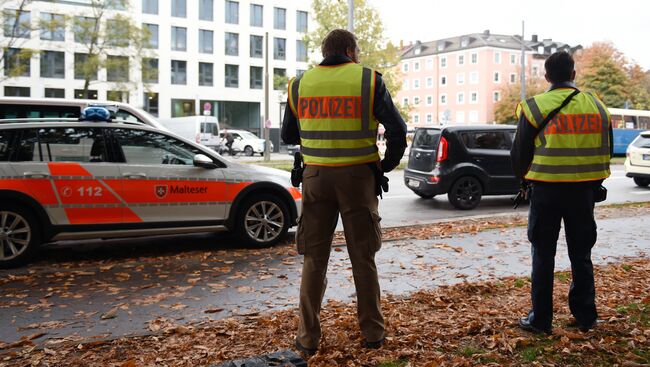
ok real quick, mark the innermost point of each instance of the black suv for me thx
(465, 162)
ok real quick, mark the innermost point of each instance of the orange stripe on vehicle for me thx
(295, 193)
(129, 216)
(84, 192)
(67, 169)
(39, 189)
(173, 191)
(94, 215)
(234, 190)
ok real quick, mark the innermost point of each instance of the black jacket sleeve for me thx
(386, 113)
(523, 148)
(290, 133)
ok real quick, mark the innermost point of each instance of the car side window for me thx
(5, 144)
(62, 144)
(126, 116)
(494, 140)
(151, 148)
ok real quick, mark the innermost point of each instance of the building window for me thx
(497, 77)
(151, 103)
(89, 94)
(179, 39)
(473, 97)
(443, 61)
(473, 77)
(429, 118)
(497, 57)
(460, 97)
(405, 67)
(52, 27)
(54, 93)
(443, 99)
(52, 64)
(257, 15)
(232, 44)
(474, 58)
(117, 96)
(149, 70)
(429, 100)
(183, 107)
(179, 8)
(513, 59)
(279, 18)
(232, 12)
(429, 82)
(416, 66)
(257, 46)
(117, 33)
(416, 83)
(206, 10)
(496, 97)
(405, 84)
(17, 24)
(150, 6)
(279, 79)
(206, 73)
(232, 76)
(257, 77)
(179, 72)
(405, 101)
(429, 64)
(301, 21)
(301, 51)
(416, 119)
(535, 71)
(513, 78)
(460, 78)
(152, 32)
(279, 48)
(83, 69)
(443, 80)
(461, 60)
(117, 68)
(17, 62)
(473, 116)
(205, 41)
(82, 29)
(460, 117)
(17, 92)
(416, 101)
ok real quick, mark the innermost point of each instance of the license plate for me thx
(413, 183)
(646, 157)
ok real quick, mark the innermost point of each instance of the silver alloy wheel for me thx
(264, 221)
(15, 234)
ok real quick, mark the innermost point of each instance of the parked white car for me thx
(245, 141)
(637, 163)
(202, 130)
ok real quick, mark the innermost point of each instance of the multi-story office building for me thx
(200, 52)
(458, 80)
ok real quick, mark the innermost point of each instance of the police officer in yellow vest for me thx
(565, 163)
(333, 113)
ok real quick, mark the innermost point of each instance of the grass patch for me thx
(617, 160)
(399, 363)
(530, 354)
(520, 283)
(627, 267)
(469, 351)
(563, 276)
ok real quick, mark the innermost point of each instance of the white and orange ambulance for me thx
(63, 179)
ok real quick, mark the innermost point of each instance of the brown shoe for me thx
(304, 350)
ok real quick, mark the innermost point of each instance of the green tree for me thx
(504, 109)
(376, 51)
(638, 88)
(16, 31)
(601, 68)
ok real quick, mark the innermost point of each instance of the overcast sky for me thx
(626, 23)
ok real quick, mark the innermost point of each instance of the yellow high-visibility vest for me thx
(334, 107)
(574, 145)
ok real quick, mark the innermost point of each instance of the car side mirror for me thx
(203, 161)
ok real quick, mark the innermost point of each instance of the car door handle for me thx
(36, 174)
(134, 176)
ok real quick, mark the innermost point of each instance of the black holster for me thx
(381, 181)
(297, 170)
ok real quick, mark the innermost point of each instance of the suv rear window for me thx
(499, 140)
(426, 139)
(14, 111)
(643, 141)
(61, 144)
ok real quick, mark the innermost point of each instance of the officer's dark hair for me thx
(338, 42)
(559, 67)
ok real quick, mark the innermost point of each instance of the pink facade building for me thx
(458, 80)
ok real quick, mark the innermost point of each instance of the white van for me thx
(203, 130)
(24, 107)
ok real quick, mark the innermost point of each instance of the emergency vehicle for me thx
(71, 179)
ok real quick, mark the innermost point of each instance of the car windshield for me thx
(248, 135)
(426, 138)
(643, 141)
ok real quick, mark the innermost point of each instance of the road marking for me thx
(639, 192)
(401, 197)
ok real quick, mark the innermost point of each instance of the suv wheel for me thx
(641, 181)
(248, 151)
(263, 220)
(424, 196)
(465, 193)
(19, 235)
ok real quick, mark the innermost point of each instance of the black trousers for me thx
(550, 203)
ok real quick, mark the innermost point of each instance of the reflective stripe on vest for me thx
(333, 105)
(574, 146)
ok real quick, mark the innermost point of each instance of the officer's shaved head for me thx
(559, 67)
(339, 42)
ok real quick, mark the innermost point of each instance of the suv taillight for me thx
(442, 150)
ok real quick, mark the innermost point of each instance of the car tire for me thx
(642, 181)
(424, 196)
(263, 220)
(465, 193)
(248, 151)
(20, 235)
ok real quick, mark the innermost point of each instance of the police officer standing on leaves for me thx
(334, 112)
(562, 149)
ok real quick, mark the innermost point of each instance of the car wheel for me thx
(263, 220)
(641, 181)
(465, 193)
(19, 235)
(248, 151)
(424, 196)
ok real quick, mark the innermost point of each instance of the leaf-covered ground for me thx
(461, 325)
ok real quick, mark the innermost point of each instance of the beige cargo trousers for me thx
(328, 191)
